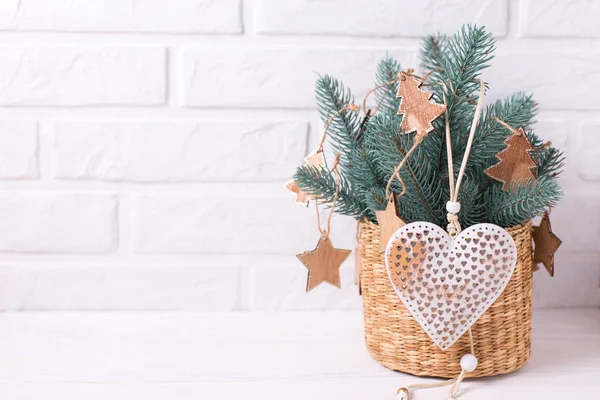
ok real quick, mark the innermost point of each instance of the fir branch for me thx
(550, 160)
(408, 212)
(454, 65)
(424, 186)
(522, 202)
(371, 149)
(386, 93)
(320, 183)
(472, 204)
(516, 110)
(332, 97)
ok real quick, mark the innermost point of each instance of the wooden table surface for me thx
(291, 356)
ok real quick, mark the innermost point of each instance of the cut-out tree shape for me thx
(516, 164)
(417, 110)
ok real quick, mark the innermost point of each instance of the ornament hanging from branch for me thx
(448, 280)
(546, 244)
(516, 165)
(301, 197)
(315, 159)
(448, 283)
(417, 109)
(323, 263)
(389, 222)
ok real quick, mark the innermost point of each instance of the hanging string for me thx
(408, 72)
(507, 126)
(335, 169)
(416, 141)
(453, 206)
(404, 391)
(348, 107)
(453, 229)
(463, 165)
(364, 102)
(396, 174)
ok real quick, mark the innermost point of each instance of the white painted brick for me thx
(576, 221)
(559, 78)
(576, 281)
(222, 224)
(181, 16)
(18, 149)
(121, 287)
(377, 18)
(283, 288)
(587, 149)
(274, 77)
(44, 222)
(75, 75)
(179, 151)
(560, 18)
(555, 130)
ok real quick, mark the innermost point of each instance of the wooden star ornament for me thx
(323, 263)
(416, 107)
(301, 197)
(389, 222)
(546, 244)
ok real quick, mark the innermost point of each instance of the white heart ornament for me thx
(448, 284)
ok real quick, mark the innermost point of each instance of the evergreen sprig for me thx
(370, 149)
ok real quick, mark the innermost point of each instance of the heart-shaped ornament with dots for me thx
(445, 283)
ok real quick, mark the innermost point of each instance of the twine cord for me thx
(455, 382)
(348, 107)
(325, 233)
(396, 174)
(371, 91)
(454, 227)
(335, 169)
(416, 141)
(507, 126)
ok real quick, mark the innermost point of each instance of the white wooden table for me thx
(291, 356)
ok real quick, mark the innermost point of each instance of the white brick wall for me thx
(143, 144)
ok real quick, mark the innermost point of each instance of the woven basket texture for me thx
(502, 335)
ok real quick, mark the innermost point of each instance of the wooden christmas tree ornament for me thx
(417, 110)
(389, 222)
(516, 164)
(546, 244)
(301, 197)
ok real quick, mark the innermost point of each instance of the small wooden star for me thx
(315, 159)
(323, 263)
(301, 197)
(546, 244)
(389, 222)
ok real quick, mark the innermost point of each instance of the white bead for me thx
(453, 207)
(402, 394)
(468, 362)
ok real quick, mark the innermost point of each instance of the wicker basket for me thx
(501, 336)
